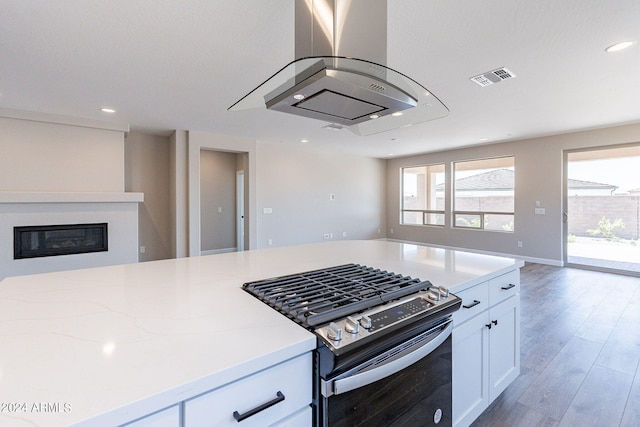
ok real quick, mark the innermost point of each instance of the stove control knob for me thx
(365, 321)
(334, 332)
(352, 325)
(444, 291)
(433, 294)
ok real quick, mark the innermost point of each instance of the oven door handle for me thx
(386, 369)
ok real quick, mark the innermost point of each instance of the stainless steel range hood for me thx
(340, 75)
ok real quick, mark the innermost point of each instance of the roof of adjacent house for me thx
(503, 179)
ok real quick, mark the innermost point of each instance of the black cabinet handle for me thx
(239, 417)
(488, 325)
(473, 304)
(509, 286)
(495, 322)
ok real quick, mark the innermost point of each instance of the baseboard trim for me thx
(218, 251)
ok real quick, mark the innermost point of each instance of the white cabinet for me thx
(504, 346)
(470, 343)
(302, 418)
(169, 417)
(279, 395)
(486, 345)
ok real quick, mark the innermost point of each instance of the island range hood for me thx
(340, 74)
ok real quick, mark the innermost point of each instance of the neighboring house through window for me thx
(483, 194)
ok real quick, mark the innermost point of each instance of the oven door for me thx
(407, 385)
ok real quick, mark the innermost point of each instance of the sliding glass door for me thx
(603, 208)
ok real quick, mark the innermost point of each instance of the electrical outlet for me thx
(327, 236)
(332, 196)
(344, 234)
(519, 244)
(270, 242)
(143, 249)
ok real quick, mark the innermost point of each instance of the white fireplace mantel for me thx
(70, 197)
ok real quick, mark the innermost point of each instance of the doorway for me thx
(222, 201)
(602, 209)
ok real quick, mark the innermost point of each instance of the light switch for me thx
(267, 210)
(540, 211)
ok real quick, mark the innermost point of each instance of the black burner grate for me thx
(320, 296)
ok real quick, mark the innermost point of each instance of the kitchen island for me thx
(107, 346)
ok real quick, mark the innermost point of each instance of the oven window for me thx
(419, 395)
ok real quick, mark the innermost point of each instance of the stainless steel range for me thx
(383, 354)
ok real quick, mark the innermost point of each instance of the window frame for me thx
(425, 212)
(482, 216)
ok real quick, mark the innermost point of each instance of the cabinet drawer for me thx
(474, 300)
(288, 384)
(169, 417)
(303, 418)
(502, 287)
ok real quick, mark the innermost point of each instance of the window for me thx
(423, 195)
(484, 194)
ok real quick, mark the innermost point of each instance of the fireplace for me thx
(46, 225)
(52, 240)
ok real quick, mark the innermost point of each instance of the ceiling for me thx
(169, 64)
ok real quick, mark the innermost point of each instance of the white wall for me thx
(147, 171)
(39, 155)
(296, 184)
(58, 156)
(178, 194)
(539, 177)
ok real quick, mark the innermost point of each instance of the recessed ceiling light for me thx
(483, 139)
(397, 113)
(374, 116)
(304, 141)
(298, 96)
(107, 110)
(620, 46)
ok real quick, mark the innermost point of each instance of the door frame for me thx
(240, 210)
(565, 209)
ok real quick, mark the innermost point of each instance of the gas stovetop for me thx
(348, 303)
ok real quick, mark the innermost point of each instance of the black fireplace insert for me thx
(52, 240)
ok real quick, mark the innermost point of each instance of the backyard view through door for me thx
(603, 208)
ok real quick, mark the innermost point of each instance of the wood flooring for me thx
(580, 351)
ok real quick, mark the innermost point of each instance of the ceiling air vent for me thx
(333, 126)
(491, 77)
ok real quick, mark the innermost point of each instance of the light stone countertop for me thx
(107, 345)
